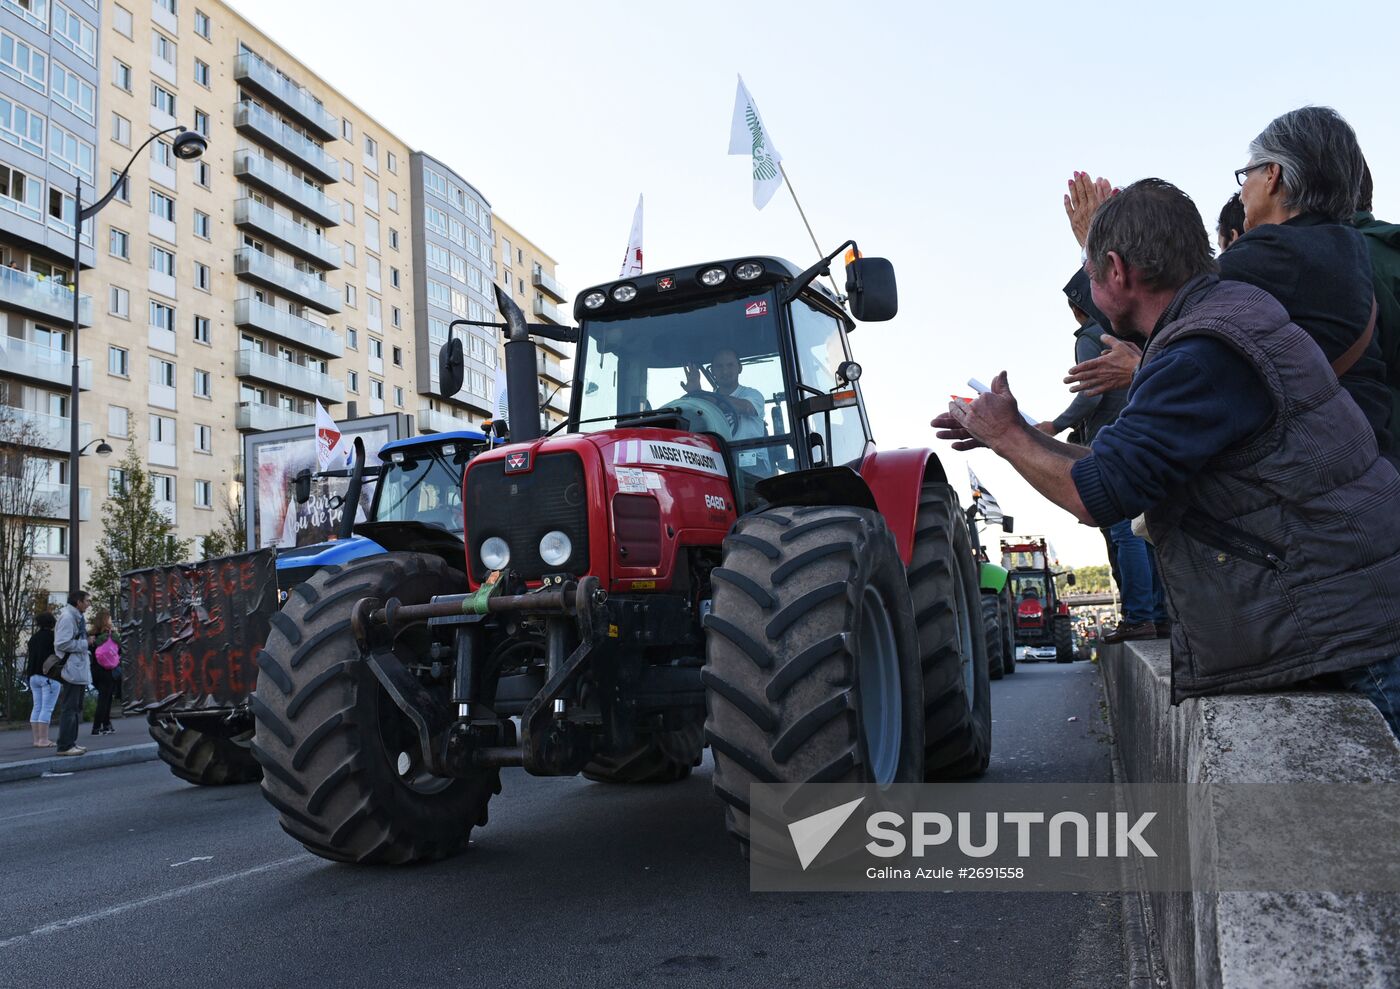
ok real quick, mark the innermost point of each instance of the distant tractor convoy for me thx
(1043, 622)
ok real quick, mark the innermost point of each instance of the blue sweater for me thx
(1196, 399)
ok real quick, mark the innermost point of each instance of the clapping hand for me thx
(1111, 371)
(1083, 198)
(982, 422)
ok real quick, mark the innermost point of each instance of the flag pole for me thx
(803, 213)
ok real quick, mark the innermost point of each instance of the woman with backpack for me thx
(43, 689)
(105, 671)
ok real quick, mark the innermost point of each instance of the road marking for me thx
(62, 925)
(16, 817)
(197, 858)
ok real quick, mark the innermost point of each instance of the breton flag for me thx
(984, 499)
(632, 260)
(327, 439)
(748, 136)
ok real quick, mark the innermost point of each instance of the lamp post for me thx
(188, 146)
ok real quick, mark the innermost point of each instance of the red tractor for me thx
(1043, 622)
(711, 552)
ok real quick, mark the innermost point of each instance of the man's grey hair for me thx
(1157, 230)
(1318, 158)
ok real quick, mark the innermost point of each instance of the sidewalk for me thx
(20, 760)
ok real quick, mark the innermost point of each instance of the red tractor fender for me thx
(895, 478)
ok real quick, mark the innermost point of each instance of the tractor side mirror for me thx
(301, 487)
(451, 368)
(1008, 523)
(1069, 579)
(870, 286)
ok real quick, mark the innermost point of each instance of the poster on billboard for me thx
(273, 459)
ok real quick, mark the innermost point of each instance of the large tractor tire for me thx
(205, 760)
(991, 628)
(1064, 639)
(339, 759)
(1008, 630)
(665, 757)
(812, 671)
(943, 580)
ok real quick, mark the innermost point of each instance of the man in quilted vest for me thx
(1274, 517)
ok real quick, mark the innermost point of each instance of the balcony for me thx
(162, 454)
(554, 399)
(51, 500)
(279, 323)
(286, 232)
(256, 74)
(260, 418)
(43, 298)
(273, 178)
(550, 369)
(24, 359)
(160, 338)
(161, 283)
(300, 285)
(551, 312)
(266, 129)
(291, 377)
(48, 432)
(548, 286)
(430, 420)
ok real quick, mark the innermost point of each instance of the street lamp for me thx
(188, 146)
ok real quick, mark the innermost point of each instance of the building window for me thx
(350, 296)
(394, 277)
(202, 384)
(49, 540)
(121, 20)
(203, 439)
(121, 130)
(347, 171)
(397, 316)
(352, 338)
(164, 207)
(22, 62)
(118, 362)
(393, 238)
(371, 158)
(391, 161)
(201, 329)
(118, 421)
(201, 122)
(162, 317)
(119, 243)
(398, 356)
(121, 75)
(393, 201)
(162, 261)
(349, 213)
(72, 154)
(201, 224)
(202, 173)
(123, 194)
(398, 396)
(119, 303)
(162, 99)
(163, 48)
(201, 24)
(201, 276)
(75, 34)
(164, 374)
(116, 481)
(21, 126)
(376, 389)
(350, 254)
(163, 486)
(352, 381)
(72, 93)
(347, 130)
(201, 73)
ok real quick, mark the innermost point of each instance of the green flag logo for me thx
(764, 168)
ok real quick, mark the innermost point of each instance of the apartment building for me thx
(528, 273)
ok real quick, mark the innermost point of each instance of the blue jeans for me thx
(1381, 683)
(1137, 569)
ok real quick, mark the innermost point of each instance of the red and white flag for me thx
(632, 260)
(327, 439)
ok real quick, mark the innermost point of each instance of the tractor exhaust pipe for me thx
(522, 380)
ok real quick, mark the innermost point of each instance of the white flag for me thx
(991, 511)
(748, 136)
(632, 260)
(502, 400)
(327, 438)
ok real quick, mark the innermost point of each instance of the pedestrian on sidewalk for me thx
(71, 643)
(105, 670)
(42, 689)
(1261, 479)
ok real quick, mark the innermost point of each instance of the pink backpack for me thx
(108, 655)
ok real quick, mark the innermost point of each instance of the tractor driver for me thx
(747, 403)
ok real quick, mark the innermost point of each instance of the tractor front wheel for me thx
(1008, 630)
(200, 758)
(1064, 639)
(991, 628)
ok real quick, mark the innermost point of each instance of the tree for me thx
(24, 502)
(1096, 579)
(135, 533)
(230, 537)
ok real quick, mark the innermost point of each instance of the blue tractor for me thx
(417, 505)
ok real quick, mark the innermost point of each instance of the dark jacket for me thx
(40, 649)
(1281, 556)
(1383, 241)
(1321, 273)
(1087, 414)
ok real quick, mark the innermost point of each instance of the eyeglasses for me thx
(1240, 173)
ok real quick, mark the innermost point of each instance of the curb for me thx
(33, 768)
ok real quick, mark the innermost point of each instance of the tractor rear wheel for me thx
(1008, 630)
(943, 581)
(991, 628)
(812, 670)
(199, 758)
(340, 760)
(1064, 639)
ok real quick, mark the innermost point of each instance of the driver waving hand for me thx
(747, 402)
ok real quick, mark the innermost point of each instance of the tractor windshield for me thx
(424, 486)
(717, 363)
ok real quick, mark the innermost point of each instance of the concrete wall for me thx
(1255, 939)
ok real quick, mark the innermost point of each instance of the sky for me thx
(940, 136)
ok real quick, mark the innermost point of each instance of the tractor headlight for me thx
(555, 548)
(624, 293)
(495, 553)
(594, 299)
(748, 271)
(713, 276)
